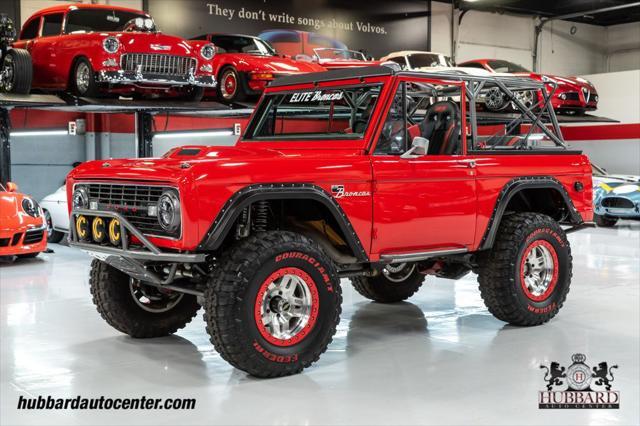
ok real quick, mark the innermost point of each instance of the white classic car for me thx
(56, 214)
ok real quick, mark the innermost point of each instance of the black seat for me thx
(441, 125)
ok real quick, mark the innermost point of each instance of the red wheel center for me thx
(230, 84)
(287, 306)
(539, 270)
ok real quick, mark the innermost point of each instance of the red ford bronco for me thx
(372, 174)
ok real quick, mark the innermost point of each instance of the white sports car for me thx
(56, 214)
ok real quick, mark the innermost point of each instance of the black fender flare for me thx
(232, 209)
(516, 185)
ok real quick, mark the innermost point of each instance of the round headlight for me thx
(30, 207)
(139, 23)
(111, 44)
(80, 198)
(169, 211)
(207, 51)
(148, 24)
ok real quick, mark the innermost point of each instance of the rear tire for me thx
(605, 221)
(18, 72)
(524, 279)
(273, 304)
(395, 283)
(136, 309)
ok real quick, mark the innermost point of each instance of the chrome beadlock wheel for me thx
(398, 272)
(153, 299)
(539, 270)
(287, 306)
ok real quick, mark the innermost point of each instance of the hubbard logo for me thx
(578, 386)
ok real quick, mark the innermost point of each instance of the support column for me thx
(144, 134)
(5, 146)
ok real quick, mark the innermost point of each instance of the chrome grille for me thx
(132, 202)
(158, 64)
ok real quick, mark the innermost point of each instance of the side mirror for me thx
(12, 187)
(419, 147)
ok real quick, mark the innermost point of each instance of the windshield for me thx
(93, 20)
(240, 44)
(328, 113)
(339, 54)
(426, 60)
(505, 66)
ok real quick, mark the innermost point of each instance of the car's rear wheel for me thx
(394, 283)
(605, 221)
(83, 79)
(53, 236)
(230, 86)
(17, 72)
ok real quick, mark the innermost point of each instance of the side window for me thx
(473, 65)
(52, 25)
(426, 110)
(30, 30)
(400, 61)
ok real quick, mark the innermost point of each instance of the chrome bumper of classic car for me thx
(135, 77)
(130, 260)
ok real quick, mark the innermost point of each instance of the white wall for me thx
(618, 94)
(623, 47)
(29, 7)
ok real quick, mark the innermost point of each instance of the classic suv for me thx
(92, 49)
(244, 65)
(23, 232)
(306, 46)
(365, 173)
(573, 95)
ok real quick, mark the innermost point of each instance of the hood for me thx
(611, 185)
(141, 42)
(576, 82)
(276, 64)
(59, 195)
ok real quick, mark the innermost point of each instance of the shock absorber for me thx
(260, 216)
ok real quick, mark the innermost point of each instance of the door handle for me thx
(469, 163)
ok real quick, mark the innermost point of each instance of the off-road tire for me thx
(605, 221)
(383, 290)
(112, 297)
(22, 74)
(53, 236)
(501, 270)
(234, 291)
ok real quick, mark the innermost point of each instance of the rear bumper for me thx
(23, 241)
(132, 77)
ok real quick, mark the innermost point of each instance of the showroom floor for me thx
(439, 358)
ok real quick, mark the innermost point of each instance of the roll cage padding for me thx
(441, 125)
(226, 218)
(519, 184)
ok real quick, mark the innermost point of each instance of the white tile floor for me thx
(441, 358)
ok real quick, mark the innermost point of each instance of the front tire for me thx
(605, 221)
(524, 279)
(395, 283)
(230, 86)
(53, 236)
(17, 71)
(83, 79)
(273, 304)
(138, 309)
(193, 94)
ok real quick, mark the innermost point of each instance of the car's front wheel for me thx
(230, 86)
(53, 236)
(605, 221)
(83, 79)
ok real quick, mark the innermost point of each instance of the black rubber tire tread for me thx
(193, 94)
(223, 301)
(381, 289)
(92, 90)
(56, 236)
(23, 71)
(111, 295)
(605, 221)
(498, 269)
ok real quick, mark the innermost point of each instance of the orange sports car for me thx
(23, 230)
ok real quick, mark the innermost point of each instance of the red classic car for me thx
(325, 51)
(574, 94)
(90, 49)
(244, 65)
(23, 231)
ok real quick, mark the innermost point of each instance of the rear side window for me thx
(52, 25)
(30, 30)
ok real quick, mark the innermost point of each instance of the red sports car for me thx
(89, 49)
(325, 51)
(23, 230)
(574, 94)
(244, 65)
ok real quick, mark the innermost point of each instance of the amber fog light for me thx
(115, 236)
(82, 227)
(99, 229)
